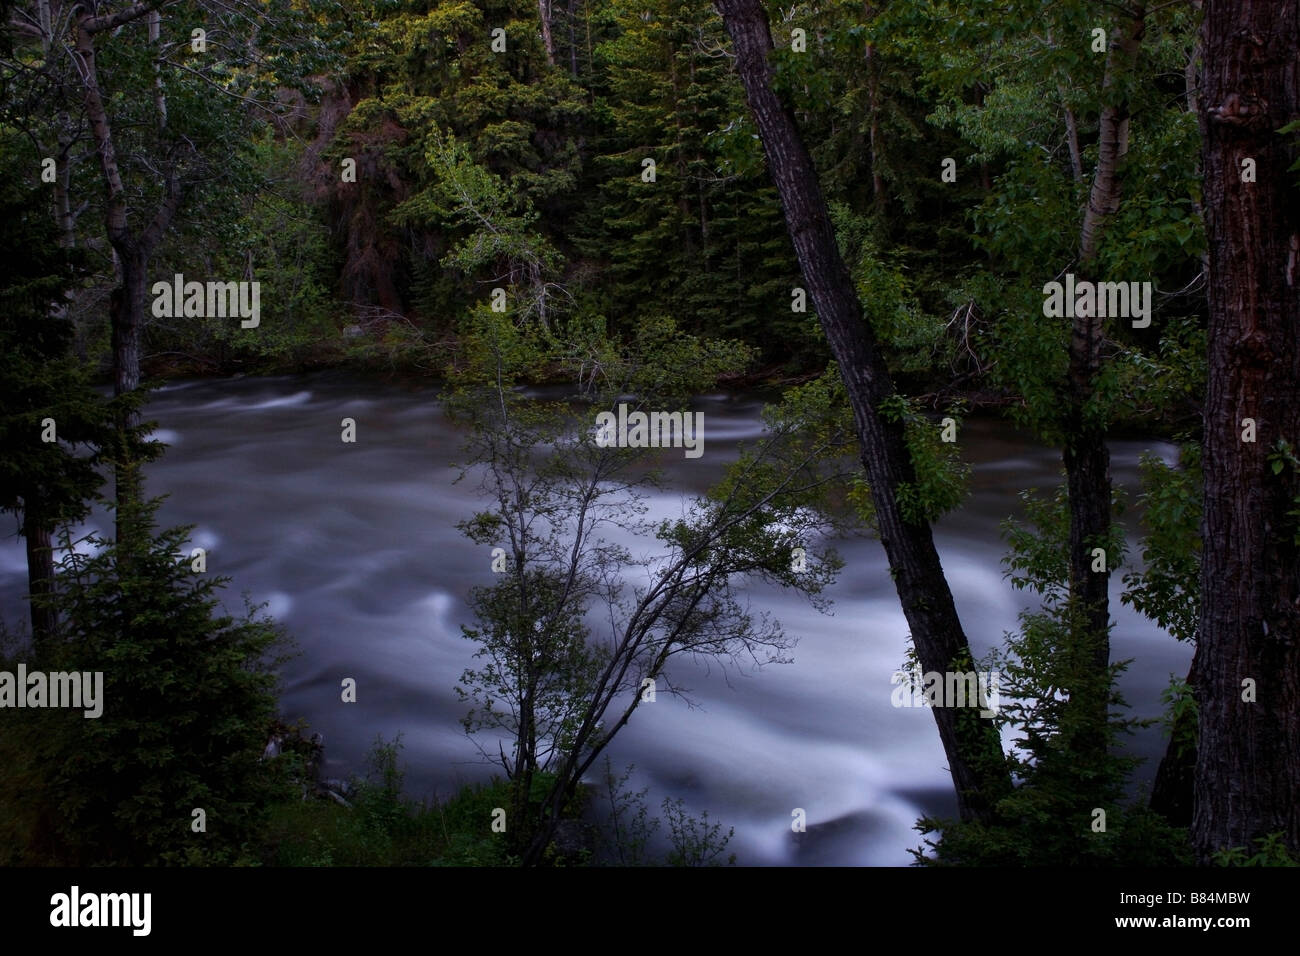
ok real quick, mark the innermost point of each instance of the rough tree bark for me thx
(972, 747)
(1248, 754)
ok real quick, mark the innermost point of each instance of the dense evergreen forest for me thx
(889, 218)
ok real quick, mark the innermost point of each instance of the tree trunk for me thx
(124, 318)
(544, 14)
(1072, 139)
(132, 251)
(159, 95)
(1085, 455)
(126, 308)
(1248, 755)
(40, 575)
(572, 19)
(878, 194)
(971, 744)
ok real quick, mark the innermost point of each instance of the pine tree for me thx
(47, 406)
(433, 71)
(703, 241)
(188, 694)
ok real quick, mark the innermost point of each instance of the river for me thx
(354, 548)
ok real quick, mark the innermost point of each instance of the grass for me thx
(384, 827)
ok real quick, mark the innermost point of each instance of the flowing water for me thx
(354, 548)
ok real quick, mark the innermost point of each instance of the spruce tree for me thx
(52, 423)
(189, 692)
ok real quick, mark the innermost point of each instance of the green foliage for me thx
(1282, 459)
(1038, 557)
(188, 695)
(426, 78)
(1159, 228)
(1180, 717)
(1293, 127)
(1272, 852)
(816, 415)
(556, 492)
(1020, 224)
(495, 220)
(1163, 386)
(382, 826)
(466, 820)
(1167, 589)
(940, 475)
(1056, 833)
(277, 236)
(185, 130)
(538, 671)
(1063, 764)
(1030, 355)
(1023, 90)
(705, 241)
(1047, 818)
(693, 841)
(40, 377)
(915, 341)
(629, 826)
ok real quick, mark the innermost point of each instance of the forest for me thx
(609, 433)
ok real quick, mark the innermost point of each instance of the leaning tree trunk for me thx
(971, 744)
(1248, 754)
